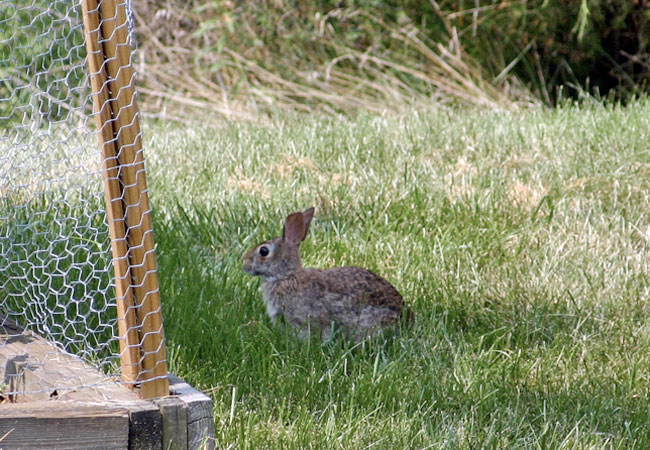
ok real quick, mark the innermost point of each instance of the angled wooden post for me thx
(127, 202)
(126, 319)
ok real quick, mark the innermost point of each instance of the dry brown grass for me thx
(226, 59)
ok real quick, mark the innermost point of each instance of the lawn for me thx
(520, 240)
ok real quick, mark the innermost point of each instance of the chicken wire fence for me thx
(59, 277)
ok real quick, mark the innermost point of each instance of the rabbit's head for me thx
(277, 257)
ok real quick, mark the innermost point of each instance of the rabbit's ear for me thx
(294, 229)
(307, 215)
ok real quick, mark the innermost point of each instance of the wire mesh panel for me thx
(58, 248)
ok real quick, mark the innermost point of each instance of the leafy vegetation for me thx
(519, 239)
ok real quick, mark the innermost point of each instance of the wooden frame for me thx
(127, 204)
(58, 401)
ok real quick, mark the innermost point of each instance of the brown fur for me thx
(356, 299)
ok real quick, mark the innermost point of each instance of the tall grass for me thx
(519, 239)
(242, 59)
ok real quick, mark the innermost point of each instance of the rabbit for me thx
(353, 299)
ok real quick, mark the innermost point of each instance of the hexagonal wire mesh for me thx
(56, 270)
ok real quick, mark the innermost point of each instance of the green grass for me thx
(519, 239)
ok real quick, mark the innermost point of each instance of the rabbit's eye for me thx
(264, 251)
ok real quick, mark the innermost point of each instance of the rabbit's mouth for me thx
(266, 277)
(248, 268)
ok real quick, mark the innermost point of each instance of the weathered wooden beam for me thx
(42, 378)
(36, 370)
(63, 425)
(174, 421)
(200, 416)
(145, 427)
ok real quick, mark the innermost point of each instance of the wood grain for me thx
(64, 425)
(200, 419)
(115, 99)
(126, 317)
(35, 370)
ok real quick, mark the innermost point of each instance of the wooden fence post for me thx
(127, 202)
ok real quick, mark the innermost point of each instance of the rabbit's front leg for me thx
(273, 308)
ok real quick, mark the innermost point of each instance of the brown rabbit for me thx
(359, 301)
